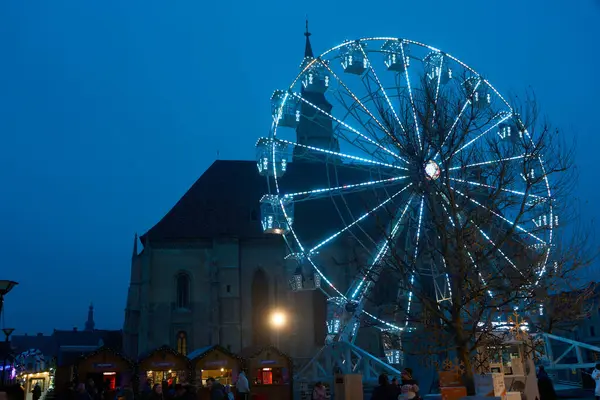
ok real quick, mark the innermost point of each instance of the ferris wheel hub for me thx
(432, 170)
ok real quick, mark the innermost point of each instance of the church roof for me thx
(224, 202)
(41, 342)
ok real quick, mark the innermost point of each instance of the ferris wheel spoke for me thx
(488, 162)
(324, 278)
(417, 239)
(353, 110)
(485, 284)
(498, 249)
(437, 87)
(345, 125)
(388, 325)
(468, 253)
(385, 95)
(363, 284)
(357, 112)
(341, 190)
(357, 143)
(410, 94)
(504, 116)
(517, 226)
(356, 99)
(358, 220)
(537, 199)
(341, 155)
(531, 203)
(419, 225)
(458, 117)
(447, 280)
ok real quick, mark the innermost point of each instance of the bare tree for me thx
(486, 237)
(562, 312)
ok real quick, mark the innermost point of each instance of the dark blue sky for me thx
(110, 110)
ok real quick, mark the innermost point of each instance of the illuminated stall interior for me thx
(33, 370)
(269, 372)
(29, 380)
(105, 367)
(222, 375)
(215, 362)
(164, 364)
(270, 368)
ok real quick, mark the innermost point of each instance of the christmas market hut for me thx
(215, 362)
(164, 364)
(269, 372)
(105, 366)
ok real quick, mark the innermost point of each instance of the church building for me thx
(207, 274)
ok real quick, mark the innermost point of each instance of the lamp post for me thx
(278, 321)
(5, 287)
(7, 333)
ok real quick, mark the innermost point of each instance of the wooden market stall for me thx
(164, 364)
(269, 372)
(104, 366)
(214, 362)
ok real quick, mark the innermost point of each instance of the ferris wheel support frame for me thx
(553, 363)
(343, 358)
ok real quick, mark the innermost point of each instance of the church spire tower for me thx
(89, 324)
(134, 253)
(308, 51)
(314, 129)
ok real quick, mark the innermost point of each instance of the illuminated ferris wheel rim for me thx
(430, 168)
(402, 41)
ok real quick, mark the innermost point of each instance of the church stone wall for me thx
(221, 304)
(266, 254)
(222, 309)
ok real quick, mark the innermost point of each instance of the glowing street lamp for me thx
(278, 321)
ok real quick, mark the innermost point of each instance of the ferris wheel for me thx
(368, 144)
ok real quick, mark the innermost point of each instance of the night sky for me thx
(110, 110)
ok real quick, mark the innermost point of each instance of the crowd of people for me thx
(178, 391)
(405, 388)
(158, 391)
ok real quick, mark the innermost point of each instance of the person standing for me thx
(242, 387)
(319, 392)
(217, 391)
(596, 377)
(156, 392)
(384, 391)
(409, 385)
(37, 391)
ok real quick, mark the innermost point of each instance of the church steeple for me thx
(89, 324)
(135, 247)
(315, 128)
(308, 52)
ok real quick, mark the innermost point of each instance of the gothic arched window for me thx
(183, 291)
(182, 343)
